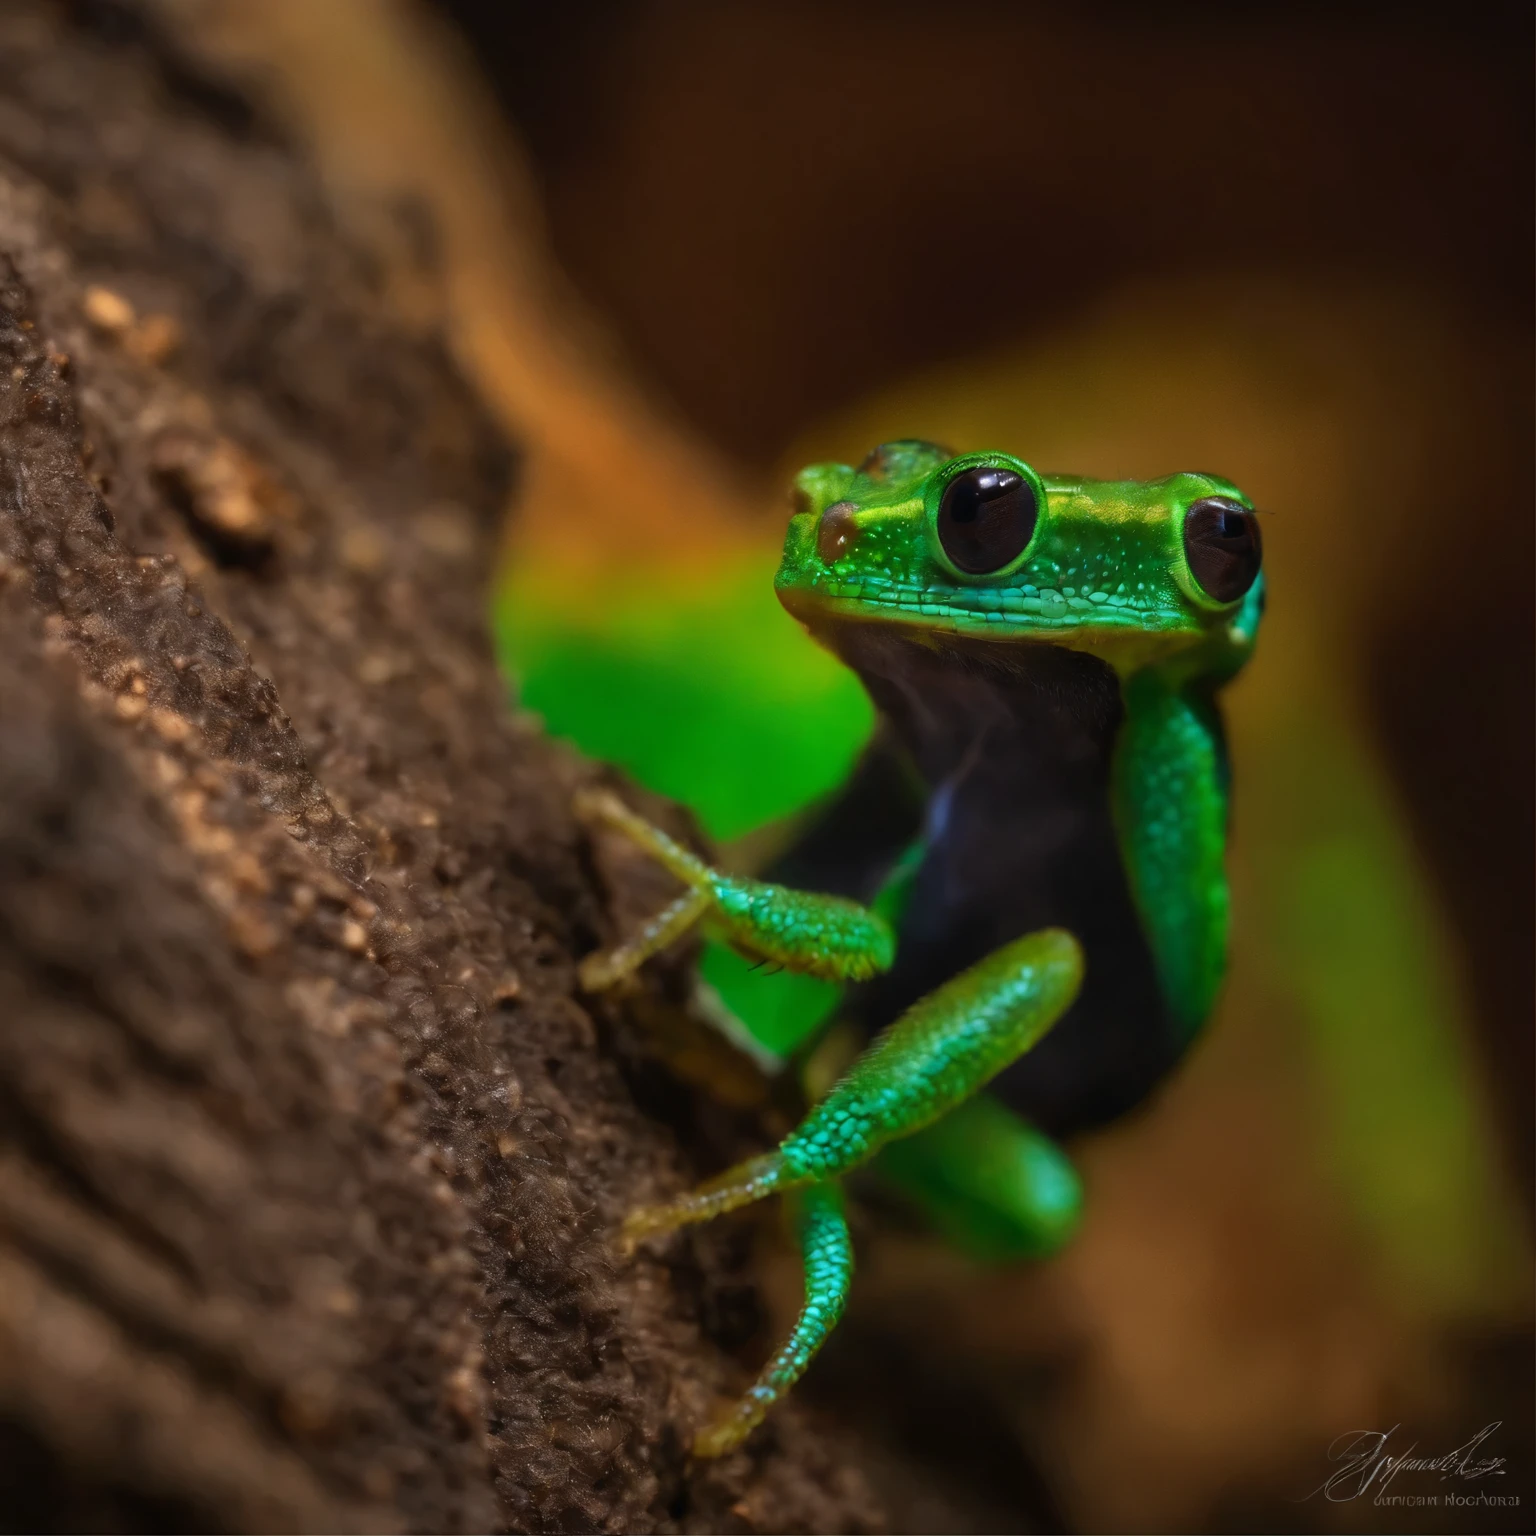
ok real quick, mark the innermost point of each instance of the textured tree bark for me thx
(308, 1148)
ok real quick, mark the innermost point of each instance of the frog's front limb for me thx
(944, 1048)
(826, 936)
(1169, 796)
(929, 1062)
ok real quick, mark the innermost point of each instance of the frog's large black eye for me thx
(1221, 543)
(986, 518)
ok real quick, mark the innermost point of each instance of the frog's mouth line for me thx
(1118, 633)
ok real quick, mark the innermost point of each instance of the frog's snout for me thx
(837, 532)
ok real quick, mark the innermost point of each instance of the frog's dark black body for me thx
(1003, 753)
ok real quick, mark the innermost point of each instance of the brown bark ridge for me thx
(309, 1151)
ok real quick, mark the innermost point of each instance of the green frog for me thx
(1022, 885)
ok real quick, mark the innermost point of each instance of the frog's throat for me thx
(1128, 639)
(1013, 745)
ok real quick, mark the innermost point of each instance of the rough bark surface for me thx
(308, 1149)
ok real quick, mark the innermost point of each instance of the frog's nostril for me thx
(837, 532)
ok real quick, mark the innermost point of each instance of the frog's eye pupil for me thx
(1222, 545)
(987, 517)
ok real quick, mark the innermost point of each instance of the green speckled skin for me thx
(1105, 571)
(826, 1250)
(938, 1054)
(1170, 801)
(824, 936)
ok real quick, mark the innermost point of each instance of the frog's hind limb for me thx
(825, 936)
(990, 1182)
(938, 1054)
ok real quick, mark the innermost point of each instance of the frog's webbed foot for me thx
(825, 936)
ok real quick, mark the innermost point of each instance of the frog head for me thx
(983, 547)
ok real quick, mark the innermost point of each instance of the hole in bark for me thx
(227, 549)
